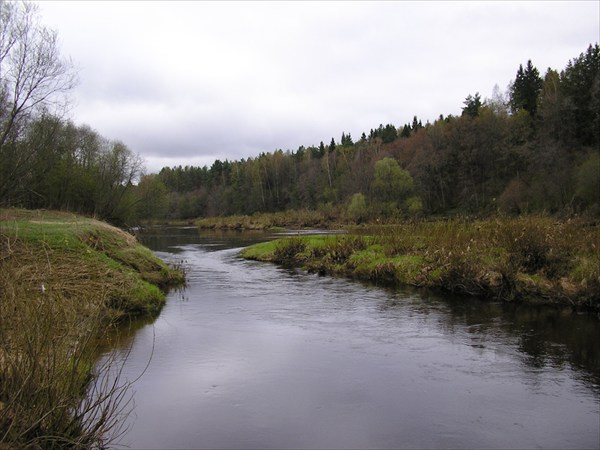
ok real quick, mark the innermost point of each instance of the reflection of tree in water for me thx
(545, 335)
(170, 238)
(120, 337)
(556, 337)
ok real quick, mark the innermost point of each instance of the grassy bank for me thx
(63, 280)
(531, 259)
(265, 221)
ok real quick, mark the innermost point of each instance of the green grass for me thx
(533, 259)
(263, 251)
(98, 253)
(64, 279)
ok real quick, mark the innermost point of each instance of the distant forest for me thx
(533, 148)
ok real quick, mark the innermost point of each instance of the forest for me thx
(533, 148)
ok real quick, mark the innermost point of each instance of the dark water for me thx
(250, 355)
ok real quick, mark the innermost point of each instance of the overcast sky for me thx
(185, 83)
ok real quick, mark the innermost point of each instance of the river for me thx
(251, 355)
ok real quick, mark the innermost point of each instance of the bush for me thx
(536, 245)
(339, 249)
(287, 250)
(588, 182)
(357, 209)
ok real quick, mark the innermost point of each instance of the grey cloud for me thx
(183, 82)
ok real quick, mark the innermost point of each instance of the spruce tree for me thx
(580, 88)
(526, 89)
(472, 105)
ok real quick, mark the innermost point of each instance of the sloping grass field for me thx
(65, 279)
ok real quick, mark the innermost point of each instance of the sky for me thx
(186, 83)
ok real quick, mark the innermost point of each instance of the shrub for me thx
(287, 250)
(339, 249)
(514, 198)
(357, 209)
(536, 245)
(588, 181)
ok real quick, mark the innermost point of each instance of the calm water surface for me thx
(250, 355)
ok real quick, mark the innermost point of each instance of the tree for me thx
(580, 87)
(525, 89)
(346, 140)
(34, 79)
(391, 185)
(118, 169)
(152, 197)
(550, 109)
(498, 103)
(387, 134)
(406, 131)
(321, 149)
(472, 105)
(416, 124)
(588, 182)
(357, 208)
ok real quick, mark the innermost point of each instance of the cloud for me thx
(194, 81)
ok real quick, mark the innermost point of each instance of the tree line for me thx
(531, 148)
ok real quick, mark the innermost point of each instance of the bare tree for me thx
(34, 79)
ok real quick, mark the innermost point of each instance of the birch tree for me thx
(34, 79)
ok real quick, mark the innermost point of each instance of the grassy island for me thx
(529, 259)
(65, 279)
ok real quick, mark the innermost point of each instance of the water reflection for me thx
(252, 355)
(546, 335)
(172, 239)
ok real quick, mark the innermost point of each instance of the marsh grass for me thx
(535, 259)
(289, 251)
(302, 218)
(64, 281)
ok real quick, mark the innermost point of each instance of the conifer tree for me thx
(526, 89)
(580, 86)
(405, 131)
(472, 105)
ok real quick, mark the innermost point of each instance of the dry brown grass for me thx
(533, 259)
(63, 281)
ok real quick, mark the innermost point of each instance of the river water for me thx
(250, 355)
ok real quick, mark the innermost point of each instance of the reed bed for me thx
(533, 259)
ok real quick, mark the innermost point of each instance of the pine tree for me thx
(472, 105)
(580, 86)
(332, 145)
(321, 149)
(416, 124)
(526, 89)
(346, 140)
(405, 131)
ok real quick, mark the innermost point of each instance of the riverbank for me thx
(536, 260)
(302, 218)
(63, 280)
